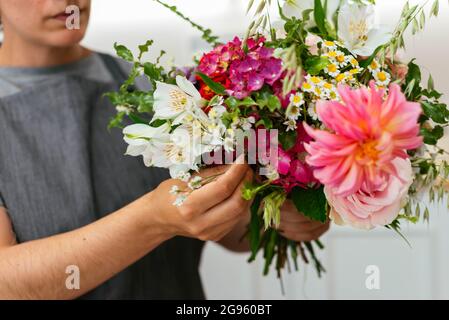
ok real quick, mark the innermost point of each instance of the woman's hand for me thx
(295, 226)
(208, 213)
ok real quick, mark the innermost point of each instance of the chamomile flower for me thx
(307, 87)
(291, 125)
(297, 99)
(329, 91)
(382, 78)
(314, 80)
(293, 112)
(355, 71)
(374, 66)
(338, 57)
(354, 62)
(342, 59)
(341, 78)
(332, 70)
(311, 110)
(330, 45)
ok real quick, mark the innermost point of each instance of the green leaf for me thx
(153, 72)
(144, 48)
(431, 136)
(273, 103)
(255, 227)
(315, 65)
(320, 17)
(430, 83)
(123, 52)
(266, 122)
(116, 121)
(438, 112)
(310, 202)
(214, 86)
(288, 139)
(367, 62)
(413, 76)
(270, 249)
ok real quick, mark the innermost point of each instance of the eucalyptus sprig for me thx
(208, 36)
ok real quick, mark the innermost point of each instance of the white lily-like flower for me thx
(141, 138)
(175, 101)
(357, 29)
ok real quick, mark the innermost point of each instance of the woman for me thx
(68, 196)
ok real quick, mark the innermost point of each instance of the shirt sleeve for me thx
(2, 202)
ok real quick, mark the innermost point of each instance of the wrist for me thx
(150, 217)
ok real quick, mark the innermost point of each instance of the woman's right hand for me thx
(208, 213)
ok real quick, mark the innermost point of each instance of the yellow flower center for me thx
(354, 62)
(368, 150)
(329, 43)
(340, 58)
(332, 54)
(332, 68)
(382, 76)
(328, 85)
(340, 77)
(296, 99)
(315, 80)
(307, 86)
(374, 65)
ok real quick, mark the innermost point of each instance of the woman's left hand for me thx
(295, 226)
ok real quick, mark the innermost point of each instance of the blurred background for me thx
(416, 272)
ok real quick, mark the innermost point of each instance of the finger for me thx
(306, 236)
(231, 209)
(218, 233)
(217, 191)
(299, 226)
(294, 216)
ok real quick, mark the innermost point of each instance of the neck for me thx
(16, 53)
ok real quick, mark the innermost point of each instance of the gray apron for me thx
(61, 169)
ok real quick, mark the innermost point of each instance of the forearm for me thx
(37, 269)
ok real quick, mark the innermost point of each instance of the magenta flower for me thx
(284, 160)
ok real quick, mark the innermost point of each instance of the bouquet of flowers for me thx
(318, 102)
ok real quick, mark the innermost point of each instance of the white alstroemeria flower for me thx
(141, 138)
(173, 101)
(357, 29)
(295, 8)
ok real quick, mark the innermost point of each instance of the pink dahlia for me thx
(378, 208)
(367, 132)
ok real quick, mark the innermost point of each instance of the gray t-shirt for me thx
(60, 169)
(15, 79)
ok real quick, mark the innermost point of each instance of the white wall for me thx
(417, 272)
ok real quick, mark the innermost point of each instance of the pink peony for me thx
(378, 208)
(368, 133)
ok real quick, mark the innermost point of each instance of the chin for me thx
(66, 38)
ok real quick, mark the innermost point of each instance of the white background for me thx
(419, 272)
